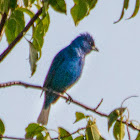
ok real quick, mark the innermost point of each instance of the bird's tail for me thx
(44, 115)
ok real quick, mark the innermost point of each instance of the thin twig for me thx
(83, 128)
(14, 138)
(21, 34)
(64, 97)
(127, 119)
(129, 137)
(127, 99)
(99, 104)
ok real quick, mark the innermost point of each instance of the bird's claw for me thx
(69, 100)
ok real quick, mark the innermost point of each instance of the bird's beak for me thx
(95, 49)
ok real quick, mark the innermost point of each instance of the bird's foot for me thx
(69, 100)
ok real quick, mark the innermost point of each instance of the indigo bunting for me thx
(65, 71)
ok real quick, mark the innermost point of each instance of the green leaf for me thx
(64, 134)
(15, 25)
(138, 136)
(46, 22)
(119, 130)
(79, 116)
(29, 12)
(40, 136)
(92, 132)
(47, 137)
(38, 34)
(2, 127)
(45, 5)
(38, 39)
(32, 1)
(58, 5)
(12, 4)
(80, 138)
(125, 6)
(113, 116)
(91, 3)
(4, 6)
(34, 129)
(136, 9)
(33, 57)
(26, 3)
(79, 10)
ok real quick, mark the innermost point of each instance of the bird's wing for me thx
(57, 61)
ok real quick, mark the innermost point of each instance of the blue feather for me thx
(66, 69)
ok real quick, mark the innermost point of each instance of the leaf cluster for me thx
(89, 132)
(12, 20)
(125, 7)
(14, 24)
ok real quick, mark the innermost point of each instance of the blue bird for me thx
(65, 71)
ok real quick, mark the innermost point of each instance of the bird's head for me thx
(86, 43)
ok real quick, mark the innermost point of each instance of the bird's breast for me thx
(66, 75)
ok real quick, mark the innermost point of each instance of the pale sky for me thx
(112, 74)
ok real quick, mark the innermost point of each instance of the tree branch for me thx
(14, 138)
(45, 89)
(21, 34)
(3, 20)
(7, 84)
